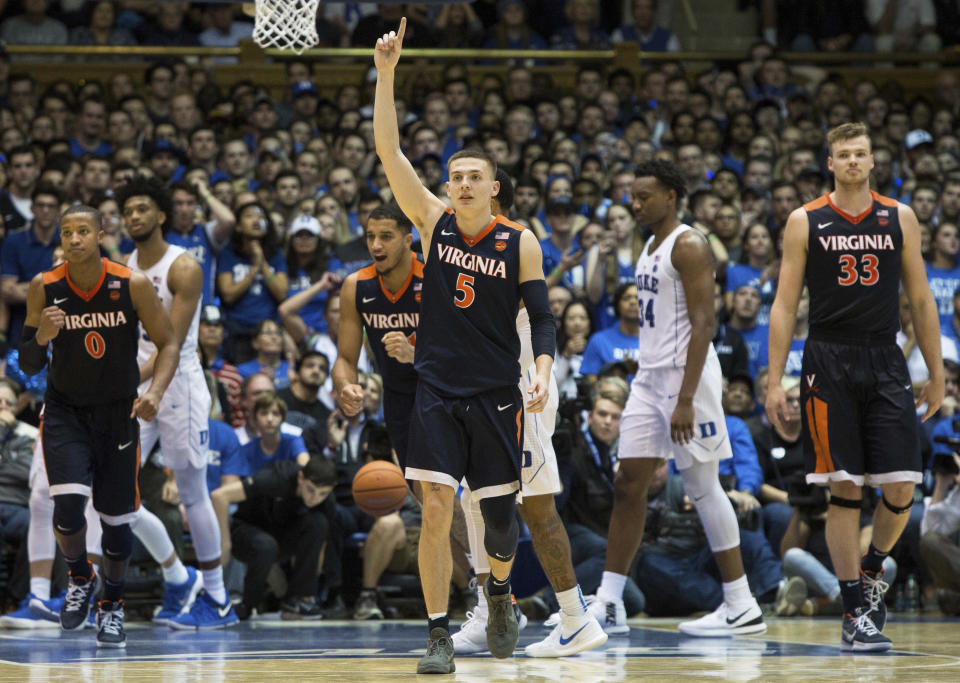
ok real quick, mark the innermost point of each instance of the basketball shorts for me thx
(475, 437)
(859, 416)
(93, 450)
(397, 409)
(645, 424)
(539, 476)
(181, 424)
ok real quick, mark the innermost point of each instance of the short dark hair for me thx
(320, 471)
(311, 353)
(619, 293)
(391, 212)
(48, 189)
(505, 195)
(667, 174)
(84, 210)
(21, 150)
(149, 187)
(184, 186)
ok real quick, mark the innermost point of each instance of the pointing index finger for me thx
(402, 29)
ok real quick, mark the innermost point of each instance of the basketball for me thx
(379, 488)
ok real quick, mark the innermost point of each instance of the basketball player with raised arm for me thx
(90, 309)
(674, 408)
(578, 630)
(468, 413)
(855, 248)
(181, 425)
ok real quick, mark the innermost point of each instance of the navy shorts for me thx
(397, 410)
(859, 417)
(93, 450)
(478, 437)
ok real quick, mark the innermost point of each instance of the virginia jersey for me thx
(853, 271)
(467, 342)
(95, 353)
(157, 274)
(665, 329)
(381, 312)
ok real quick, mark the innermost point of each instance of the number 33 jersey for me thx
(853, 270)
(664, 322)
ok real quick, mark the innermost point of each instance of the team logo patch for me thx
(500, 245)
(115, 296)
(811, 378)
(416, 297)
(882, 221)
(505, 235)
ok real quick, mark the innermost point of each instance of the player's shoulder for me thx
(884, 200)
(503, 221)
(120, 270)
(55, 274)
(821, 202)
(366, 273)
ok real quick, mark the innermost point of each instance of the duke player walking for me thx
(468, 414)
(181, 424)
(855, 248)
(674, 408)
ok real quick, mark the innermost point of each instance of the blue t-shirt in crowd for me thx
(312, 313)
(553, 255)
(757, 339)
(607, 346)
(256, 304)
(22, 257)
(223, 454)
(79, 151)
(943, 283)
(290, 447)
(200, 246)
(739, 274)
(281, 379)
(794, 357)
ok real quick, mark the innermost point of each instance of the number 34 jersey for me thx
(664, 322)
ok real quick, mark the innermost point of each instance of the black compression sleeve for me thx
(542, 326)
(32, 356)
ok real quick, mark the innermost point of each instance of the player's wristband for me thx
(32, 356)
(543, 329)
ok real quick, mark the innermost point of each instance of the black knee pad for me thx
(68, 517)
(894, 509)
(845, 502)
(117, 541)
(501, 528)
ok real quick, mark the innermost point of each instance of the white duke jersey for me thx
(664, 321)
(157, 274)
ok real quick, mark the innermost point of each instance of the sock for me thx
(571, 602)
(852, 594)
(213, 584)
(497, 587)
(80, 568)
(873, 560)
(439, 620)
(112, 591)
(482, 609)
(737, 594)
(611, 587)
(176, 573)
(40, 587)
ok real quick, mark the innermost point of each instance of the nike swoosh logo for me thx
(821, 226)
(366, 300)
(124, 445)
(564, 641)
(223, 610)
(61, 529)
(59, 301)
(736, 618)
(502, 408)
(444, 232)
(908, 387)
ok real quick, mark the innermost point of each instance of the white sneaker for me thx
(611, 615)
(472, 636)
(588, 635)
(719, 624)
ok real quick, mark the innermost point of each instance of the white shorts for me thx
(181, 423)
(540, 476)
(645, 424)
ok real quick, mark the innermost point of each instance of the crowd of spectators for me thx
(272, 198)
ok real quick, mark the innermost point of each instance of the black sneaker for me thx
(502, 628)
(304, 609)
(874, 588)
(336, 609)
(110, 631)
(860, 633)
(76, 603)
(439, 656)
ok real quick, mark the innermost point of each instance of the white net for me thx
(286, 24)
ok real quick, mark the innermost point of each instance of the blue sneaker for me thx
(205, 614)
(46, 609)
(24, 618)
(178, 598)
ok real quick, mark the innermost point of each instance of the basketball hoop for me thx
(286, 24)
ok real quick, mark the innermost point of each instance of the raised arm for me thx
(415, 200)
(923, 309)
(783, 313)
(349, 341)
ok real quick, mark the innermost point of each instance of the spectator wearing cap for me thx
(644, 30)
(166, 160)
(743, 318)
(210, 342)
(903, 25)
(916, 143)
(304, 101)
(310, 266)
(190, 229)
(617, 342)
(90, 126)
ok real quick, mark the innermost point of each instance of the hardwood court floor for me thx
(925, 649)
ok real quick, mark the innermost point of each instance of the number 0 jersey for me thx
(853, 271)
(95, 353)
(467, 342)
(381, 312)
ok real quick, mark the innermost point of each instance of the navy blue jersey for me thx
(467, 341)
(95, 353)
(382, 312)
(853, 271)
